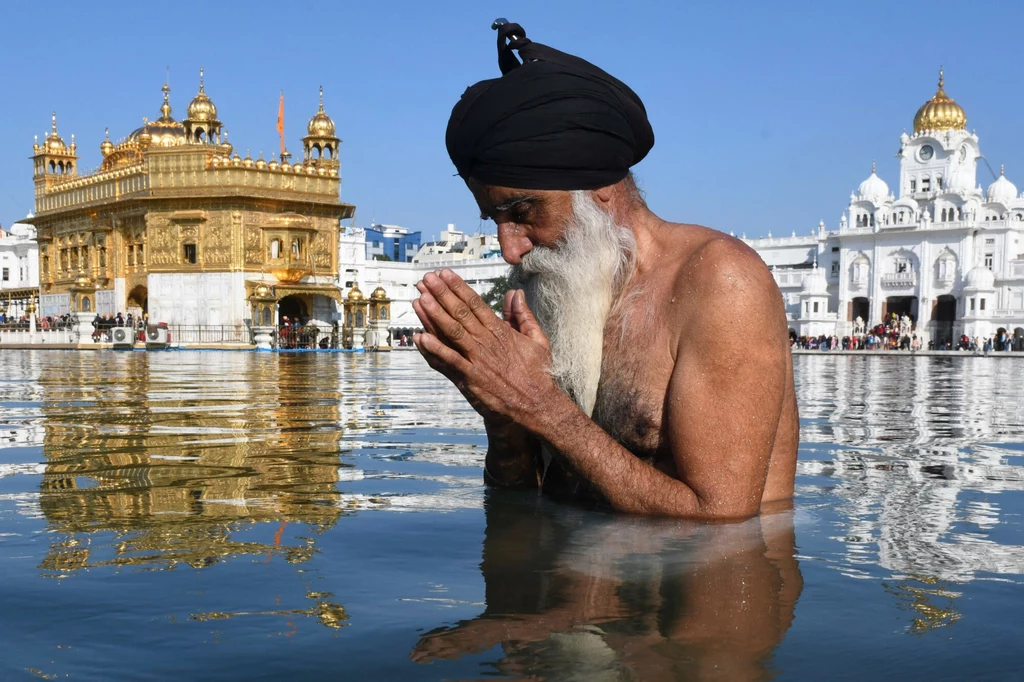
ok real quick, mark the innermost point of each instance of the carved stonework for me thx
(163, 243)
(217, 245)
(253, 248)
(322, 251)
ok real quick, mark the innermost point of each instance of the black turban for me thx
(554, 122)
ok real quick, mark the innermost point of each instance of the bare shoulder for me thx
(724, 276)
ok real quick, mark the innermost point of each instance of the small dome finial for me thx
(165, 108)
(106, 133)
(321, 98)
(53, 122)
(1002, 169)
(872, 167)
(201, 79)
(941, 77)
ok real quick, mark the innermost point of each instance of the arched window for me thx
(296, 248)
(275, 248)
(383, 313)
(359, 318)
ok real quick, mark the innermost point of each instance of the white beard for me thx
(573, 288)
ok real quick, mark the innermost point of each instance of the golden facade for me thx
(176, 198)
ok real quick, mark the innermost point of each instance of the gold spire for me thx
(940, 112)
(165, 108)
(321, 124)
(202, 108)
(872, 167)
(1002, 169)
(106, 146)
(53, 141)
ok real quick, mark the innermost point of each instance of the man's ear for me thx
(603, 195)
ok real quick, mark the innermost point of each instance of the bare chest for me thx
(635, 372)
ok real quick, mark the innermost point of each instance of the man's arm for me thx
(511, 456)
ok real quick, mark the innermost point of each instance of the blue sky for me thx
(766, 115)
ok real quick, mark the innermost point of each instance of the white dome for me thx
(980, 278)
(1002, 191)
(815, 283)
(873, 189)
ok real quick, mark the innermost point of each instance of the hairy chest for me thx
(635, 372)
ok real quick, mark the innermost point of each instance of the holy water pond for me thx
(207, 515)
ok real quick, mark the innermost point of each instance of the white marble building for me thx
(399, 279)
(936, 247)
(19, 267)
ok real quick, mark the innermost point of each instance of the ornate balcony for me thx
(899, 279)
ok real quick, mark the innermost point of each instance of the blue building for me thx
(391, 242)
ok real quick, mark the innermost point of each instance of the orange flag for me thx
(280, 120)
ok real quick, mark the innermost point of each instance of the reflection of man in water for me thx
(628, 598)
(649, 359)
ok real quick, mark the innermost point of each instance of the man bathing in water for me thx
(641, 364)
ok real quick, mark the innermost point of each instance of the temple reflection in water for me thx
(913, 453)
(178, 472)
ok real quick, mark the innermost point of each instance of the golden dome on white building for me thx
(940, 112)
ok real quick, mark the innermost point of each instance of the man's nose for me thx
(514, 243)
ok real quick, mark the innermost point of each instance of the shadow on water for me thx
(575, 595)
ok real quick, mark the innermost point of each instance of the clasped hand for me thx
(500, 365)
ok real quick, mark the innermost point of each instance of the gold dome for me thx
(940, 112)
(321, 124)
(163, 132)
(106, 146)
(82, 281)
(262, 291)
(54, 142)
(202, 107)
(354, 293)
(379, 294)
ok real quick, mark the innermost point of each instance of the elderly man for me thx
(641, 364)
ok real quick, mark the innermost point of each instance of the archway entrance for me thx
(138, 302)
(860, 307)
(294, 308)
(901, 305)
(943, 317)
(1002, 339)
(1018, 338)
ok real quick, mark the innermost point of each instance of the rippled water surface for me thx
(213, 515)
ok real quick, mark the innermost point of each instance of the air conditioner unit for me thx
(157, 337)
(122, 337)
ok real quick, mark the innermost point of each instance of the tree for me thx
(495, 296)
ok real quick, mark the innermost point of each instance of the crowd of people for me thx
(22, 322)
(292, 334)
(897, 334)
(102, 324)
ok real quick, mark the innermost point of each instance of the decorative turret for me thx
(202, 126)
(320, 145)
(53, 157)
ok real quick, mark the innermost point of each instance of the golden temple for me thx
(176, 223)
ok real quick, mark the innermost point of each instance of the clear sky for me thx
(766, 114)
